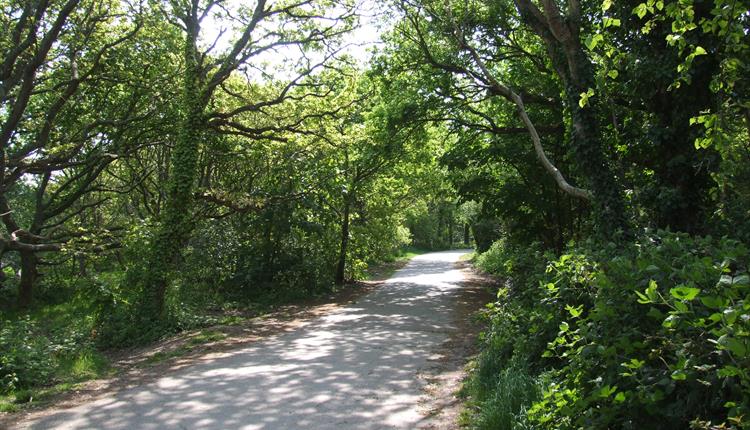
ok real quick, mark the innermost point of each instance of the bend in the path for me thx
(355, 368)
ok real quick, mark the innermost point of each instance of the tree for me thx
(46, 130)
(264, 28)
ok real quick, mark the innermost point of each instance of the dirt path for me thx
(387, 361)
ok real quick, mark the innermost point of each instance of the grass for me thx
(202, 338)
(385, 269)
(71, 371)
(408, 253)
(498, 401)
(88, 364)
(34, 396)
(468, 257)
(57, 337)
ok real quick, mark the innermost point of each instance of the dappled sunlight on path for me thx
(355, 368)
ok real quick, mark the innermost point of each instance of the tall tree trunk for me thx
(591, 160)
(341, 266)
(29, 275)
(176, 224)
(466, 233)
(561, 36)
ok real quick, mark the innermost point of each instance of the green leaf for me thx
(681, 307)
(679, 375)
(699, 51)
(607, 390)
(640, 10)
(655, 313)
(728, 371)
(611, 22)
(634, 364)
(593, 40)
(613, 74)
(684, 292)
(730, 316)
(670, 321)
(733, 345)
(642, 298)
(651, 291)
(712, 302)
(606, 5)
(574, 312)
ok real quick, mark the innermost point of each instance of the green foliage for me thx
(654, 332)
(53, 346)
(503, 398)
(141, 201)
(26, 358)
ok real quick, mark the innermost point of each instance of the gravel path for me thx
(355, 368)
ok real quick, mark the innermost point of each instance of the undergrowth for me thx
(655, 334)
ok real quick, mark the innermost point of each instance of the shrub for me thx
(26, 358)
(655, 332)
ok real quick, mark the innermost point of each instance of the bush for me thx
(658, 331)
(26, 357)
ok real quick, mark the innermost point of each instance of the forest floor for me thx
(375, 355)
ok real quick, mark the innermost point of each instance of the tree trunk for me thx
(176, 224)
(466, 233)
(608, 197)
(450, 231)
(561, 37)
(29, 274)
(341, 267)
(81, 260)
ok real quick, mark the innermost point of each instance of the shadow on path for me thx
(355, 368)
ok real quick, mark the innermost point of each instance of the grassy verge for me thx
(69, 373)
(386, 269)
(470, 257)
